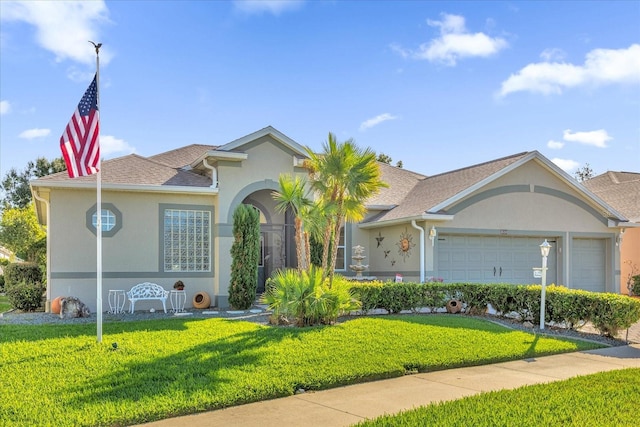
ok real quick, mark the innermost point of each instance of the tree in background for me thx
(22, 235)
(383, 158)
(245, 253)
(584, 173)
(15, 185)
(343, 177)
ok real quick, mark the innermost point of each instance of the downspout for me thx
(214, 173)
(414, 225)
(46, 203)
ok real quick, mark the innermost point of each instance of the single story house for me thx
(168, 217)
(622, 191)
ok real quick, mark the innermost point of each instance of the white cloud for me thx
(5, 107)
(63, 28)
(566, 165)
(34, 133)
(597, 138)
(454, 43)
(272, 6)
(555, 145)
(112, 145)
(601, 66)
(376, 121)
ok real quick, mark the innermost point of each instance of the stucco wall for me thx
(630, 256)
(130, 256)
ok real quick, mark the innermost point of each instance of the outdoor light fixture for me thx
(545, 247)
(432, 235)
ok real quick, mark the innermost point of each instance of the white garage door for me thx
(492, 259)
(588, 265)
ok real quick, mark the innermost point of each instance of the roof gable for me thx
(436, 194)
(271, 131)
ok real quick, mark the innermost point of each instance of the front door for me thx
(272, 253)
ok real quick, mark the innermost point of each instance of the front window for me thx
(187, 240)
(111, 219)
(108, 220)
(340, 259)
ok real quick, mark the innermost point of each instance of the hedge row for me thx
(609, 313)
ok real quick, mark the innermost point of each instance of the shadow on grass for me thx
(203, 377)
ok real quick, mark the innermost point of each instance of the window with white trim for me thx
(187, 240)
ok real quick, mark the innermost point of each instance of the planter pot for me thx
(201, 300)
(454, 306)
(55, 305)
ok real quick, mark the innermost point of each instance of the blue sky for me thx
(438, 85)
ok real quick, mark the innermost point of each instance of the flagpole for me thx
(98, 212)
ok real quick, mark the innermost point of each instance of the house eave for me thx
(405, 220)
(169, 189)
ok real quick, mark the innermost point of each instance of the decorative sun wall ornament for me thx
(405, 244)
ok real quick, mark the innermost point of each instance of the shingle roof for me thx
(160, 169)
(431, 191)
(400, 182)
(621, 190)
(181, 157)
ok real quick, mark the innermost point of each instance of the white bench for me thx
(147, 291)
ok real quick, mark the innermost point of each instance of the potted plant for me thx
(178, 286)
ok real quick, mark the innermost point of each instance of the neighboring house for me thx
(168, 217)
(622, 191)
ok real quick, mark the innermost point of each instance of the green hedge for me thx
(609, 313)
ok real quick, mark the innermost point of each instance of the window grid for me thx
(187, 243)
(108, 220)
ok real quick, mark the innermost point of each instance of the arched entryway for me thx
(277, 240)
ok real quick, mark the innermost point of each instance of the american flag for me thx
(80, 142)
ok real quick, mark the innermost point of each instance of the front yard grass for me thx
(149, 370)
(5, 305)
(598, 400)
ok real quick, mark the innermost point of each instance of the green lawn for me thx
(598, 400)
(58, 374)
(4, 304)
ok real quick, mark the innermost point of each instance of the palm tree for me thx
(292, 195)
(343, 177)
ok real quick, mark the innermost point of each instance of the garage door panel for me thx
(588, 266)
(474, 258)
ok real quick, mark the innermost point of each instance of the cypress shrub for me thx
(245, 253)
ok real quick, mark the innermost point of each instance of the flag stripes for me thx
(80, 141)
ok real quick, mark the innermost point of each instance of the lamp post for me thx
(545, 247)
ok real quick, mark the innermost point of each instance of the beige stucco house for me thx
(622, 191)
(168, 217)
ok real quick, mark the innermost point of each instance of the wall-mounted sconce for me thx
(619, 237)
(432, 235)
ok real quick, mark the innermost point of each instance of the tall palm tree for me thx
(292, 195)
(343, 176)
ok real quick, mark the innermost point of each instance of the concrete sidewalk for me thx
(345, 406)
